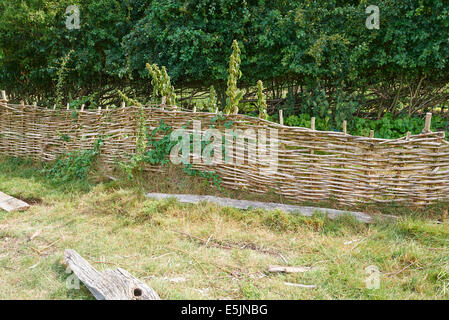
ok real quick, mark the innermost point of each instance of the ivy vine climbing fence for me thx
(311, 165)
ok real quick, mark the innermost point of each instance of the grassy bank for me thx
(208, 252)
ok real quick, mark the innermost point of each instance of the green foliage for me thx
(90, 101)
(129, 101)
(234, 95)
(33, 38)
(209, 175)
(387, 127)
(261, 101)
(74, 165)
(157, 152)
(61, 75)
(212, 101)
(320, 50)
(161, 84)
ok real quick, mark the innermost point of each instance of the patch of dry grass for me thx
(208, 252)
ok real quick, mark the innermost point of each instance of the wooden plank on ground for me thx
(10, 204)
(246, 204)
(110, 284)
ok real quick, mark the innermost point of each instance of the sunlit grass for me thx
(219, 252)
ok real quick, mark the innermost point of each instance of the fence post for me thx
(164, 102)
(371, 134)
(3, 100)
(345, 124)
(281, 117)
(427, 123)
(409, 134)
(312, 126)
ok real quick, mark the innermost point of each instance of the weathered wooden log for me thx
(116, 284)
(246, 204)
(10, 204)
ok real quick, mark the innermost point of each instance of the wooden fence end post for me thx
(312, 123)
(281, 117)
(371, 134)
(427, 123)
(4, 99)
(164, 102)
(345, 124)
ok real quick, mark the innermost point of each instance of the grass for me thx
(219, 253)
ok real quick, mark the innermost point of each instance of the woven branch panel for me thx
(311, 165)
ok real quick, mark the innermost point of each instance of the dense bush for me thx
(314, 56)
(385, 127)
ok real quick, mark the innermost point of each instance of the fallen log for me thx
(246, 204)
(10, 204)
(110, 284)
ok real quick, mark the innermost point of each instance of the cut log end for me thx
(110, 284)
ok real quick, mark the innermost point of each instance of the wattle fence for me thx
(311, 165)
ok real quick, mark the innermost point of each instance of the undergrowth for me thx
(75, 165)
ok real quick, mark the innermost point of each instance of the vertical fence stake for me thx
(3, 100)
(371, 134)
(123, 104)
(68, 106)
(312, 126)
(409, 134)
(281, 117)
(427, 123)
(82, 107)
(35, 105)
(54, 106)
(345, 124)
(194, 109)
(164, 102)
(216, 110)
